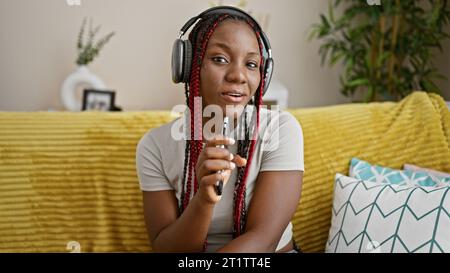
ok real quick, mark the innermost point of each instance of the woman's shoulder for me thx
(159, 136)
(280, 118)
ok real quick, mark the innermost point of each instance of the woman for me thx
(183, 210)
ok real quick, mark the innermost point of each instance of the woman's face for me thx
(230, 72)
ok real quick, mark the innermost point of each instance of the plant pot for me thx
(80, 76)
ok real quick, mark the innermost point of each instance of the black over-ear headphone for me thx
(182, 52)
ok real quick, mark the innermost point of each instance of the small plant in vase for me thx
(87, 51)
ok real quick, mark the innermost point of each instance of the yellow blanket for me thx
(69, 180)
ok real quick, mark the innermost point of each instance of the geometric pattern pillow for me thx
(361, 169)
(373, 217)
(430, 172)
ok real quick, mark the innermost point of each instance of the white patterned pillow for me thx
(363, 170)
(373, 217)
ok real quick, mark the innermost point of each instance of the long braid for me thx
(186, 157)
(191, 147)
(195, 87)
(243, 146)
(199, 38)
(239, 206)
(197, 121)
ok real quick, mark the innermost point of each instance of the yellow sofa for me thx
(68, 180)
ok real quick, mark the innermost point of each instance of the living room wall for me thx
(38, 39)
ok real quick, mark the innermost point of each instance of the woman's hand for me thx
(211, 160)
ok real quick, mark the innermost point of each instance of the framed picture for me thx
(98, 100)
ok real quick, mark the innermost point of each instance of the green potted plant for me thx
(386, 47)
(87, 51)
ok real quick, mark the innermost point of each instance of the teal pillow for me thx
(363, 170)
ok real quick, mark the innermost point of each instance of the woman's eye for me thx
(252, 65)
(221, 60)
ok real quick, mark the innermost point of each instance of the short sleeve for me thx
(282, 145)
(149, 165)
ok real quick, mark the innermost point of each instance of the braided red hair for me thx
(194, 146)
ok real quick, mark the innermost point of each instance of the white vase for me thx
(68, 89)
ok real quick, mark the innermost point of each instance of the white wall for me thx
(38, 37)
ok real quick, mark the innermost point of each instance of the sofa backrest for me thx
(69, 178)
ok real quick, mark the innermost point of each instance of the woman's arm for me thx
(273, 205)
(187, 233)
(167, 232)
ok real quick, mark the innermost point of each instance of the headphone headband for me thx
(231, 11)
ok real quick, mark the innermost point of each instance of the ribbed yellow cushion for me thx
(71, 176)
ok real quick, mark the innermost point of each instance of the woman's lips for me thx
(233, 97)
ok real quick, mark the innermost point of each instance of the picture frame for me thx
(98, 100)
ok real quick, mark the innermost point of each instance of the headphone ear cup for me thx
(187, 60)
(268, 70)
(177, 61)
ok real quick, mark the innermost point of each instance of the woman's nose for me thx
(235, 74)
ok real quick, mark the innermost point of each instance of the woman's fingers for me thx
(218, 159)
(211, 180)
(219, 140)
(214, 165)
(217, 153)
(211, 151)
(239, 161)
(208, 185)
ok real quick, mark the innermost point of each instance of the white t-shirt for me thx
(160, 161)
